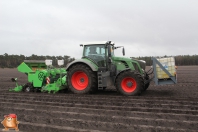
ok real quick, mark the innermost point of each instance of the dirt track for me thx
(160, 108)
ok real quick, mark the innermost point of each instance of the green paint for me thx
(122, 63)
(37, 76)
(18, 88)
(58, 85)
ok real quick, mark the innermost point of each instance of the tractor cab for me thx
(96, 53)
(101, 53)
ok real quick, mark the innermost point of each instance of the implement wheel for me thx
(129, 83)
(81, 79)
(27, 87)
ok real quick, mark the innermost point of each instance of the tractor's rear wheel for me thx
(81, 79)
(27, 87)
(129, 83)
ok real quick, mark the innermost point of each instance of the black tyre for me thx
(81, 79)
(37, 90)
(65, 90)
(146, 85)
(129, 83)
(28, 87)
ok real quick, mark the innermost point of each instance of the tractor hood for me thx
(121, 59)
(142, 63)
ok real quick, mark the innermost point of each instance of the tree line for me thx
(180, 60)
(12, 61)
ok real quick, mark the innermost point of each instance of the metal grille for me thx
(136, 67)
(126, 65)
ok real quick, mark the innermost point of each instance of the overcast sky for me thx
(57, 27)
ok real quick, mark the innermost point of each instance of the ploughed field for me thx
(160, 108)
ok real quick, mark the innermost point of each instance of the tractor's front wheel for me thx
(129, 83)
(81, 79)
(27, 87)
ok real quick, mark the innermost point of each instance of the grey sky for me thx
(57, 27)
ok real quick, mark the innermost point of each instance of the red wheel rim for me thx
(128, 84)
(79, 80)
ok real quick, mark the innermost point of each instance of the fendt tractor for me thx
(98, 69)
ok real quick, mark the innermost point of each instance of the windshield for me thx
(96, 53)
(94, 49)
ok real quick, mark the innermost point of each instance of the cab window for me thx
(96, 53)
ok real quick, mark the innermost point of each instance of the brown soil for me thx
(160, 108)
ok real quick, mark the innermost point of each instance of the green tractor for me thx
(100, 68)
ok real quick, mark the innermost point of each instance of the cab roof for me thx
(96, 42)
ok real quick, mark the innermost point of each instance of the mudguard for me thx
(91, 64)
(118, 73)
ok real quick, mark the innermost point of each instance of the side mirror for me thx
(123, 51)
(81, 45)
